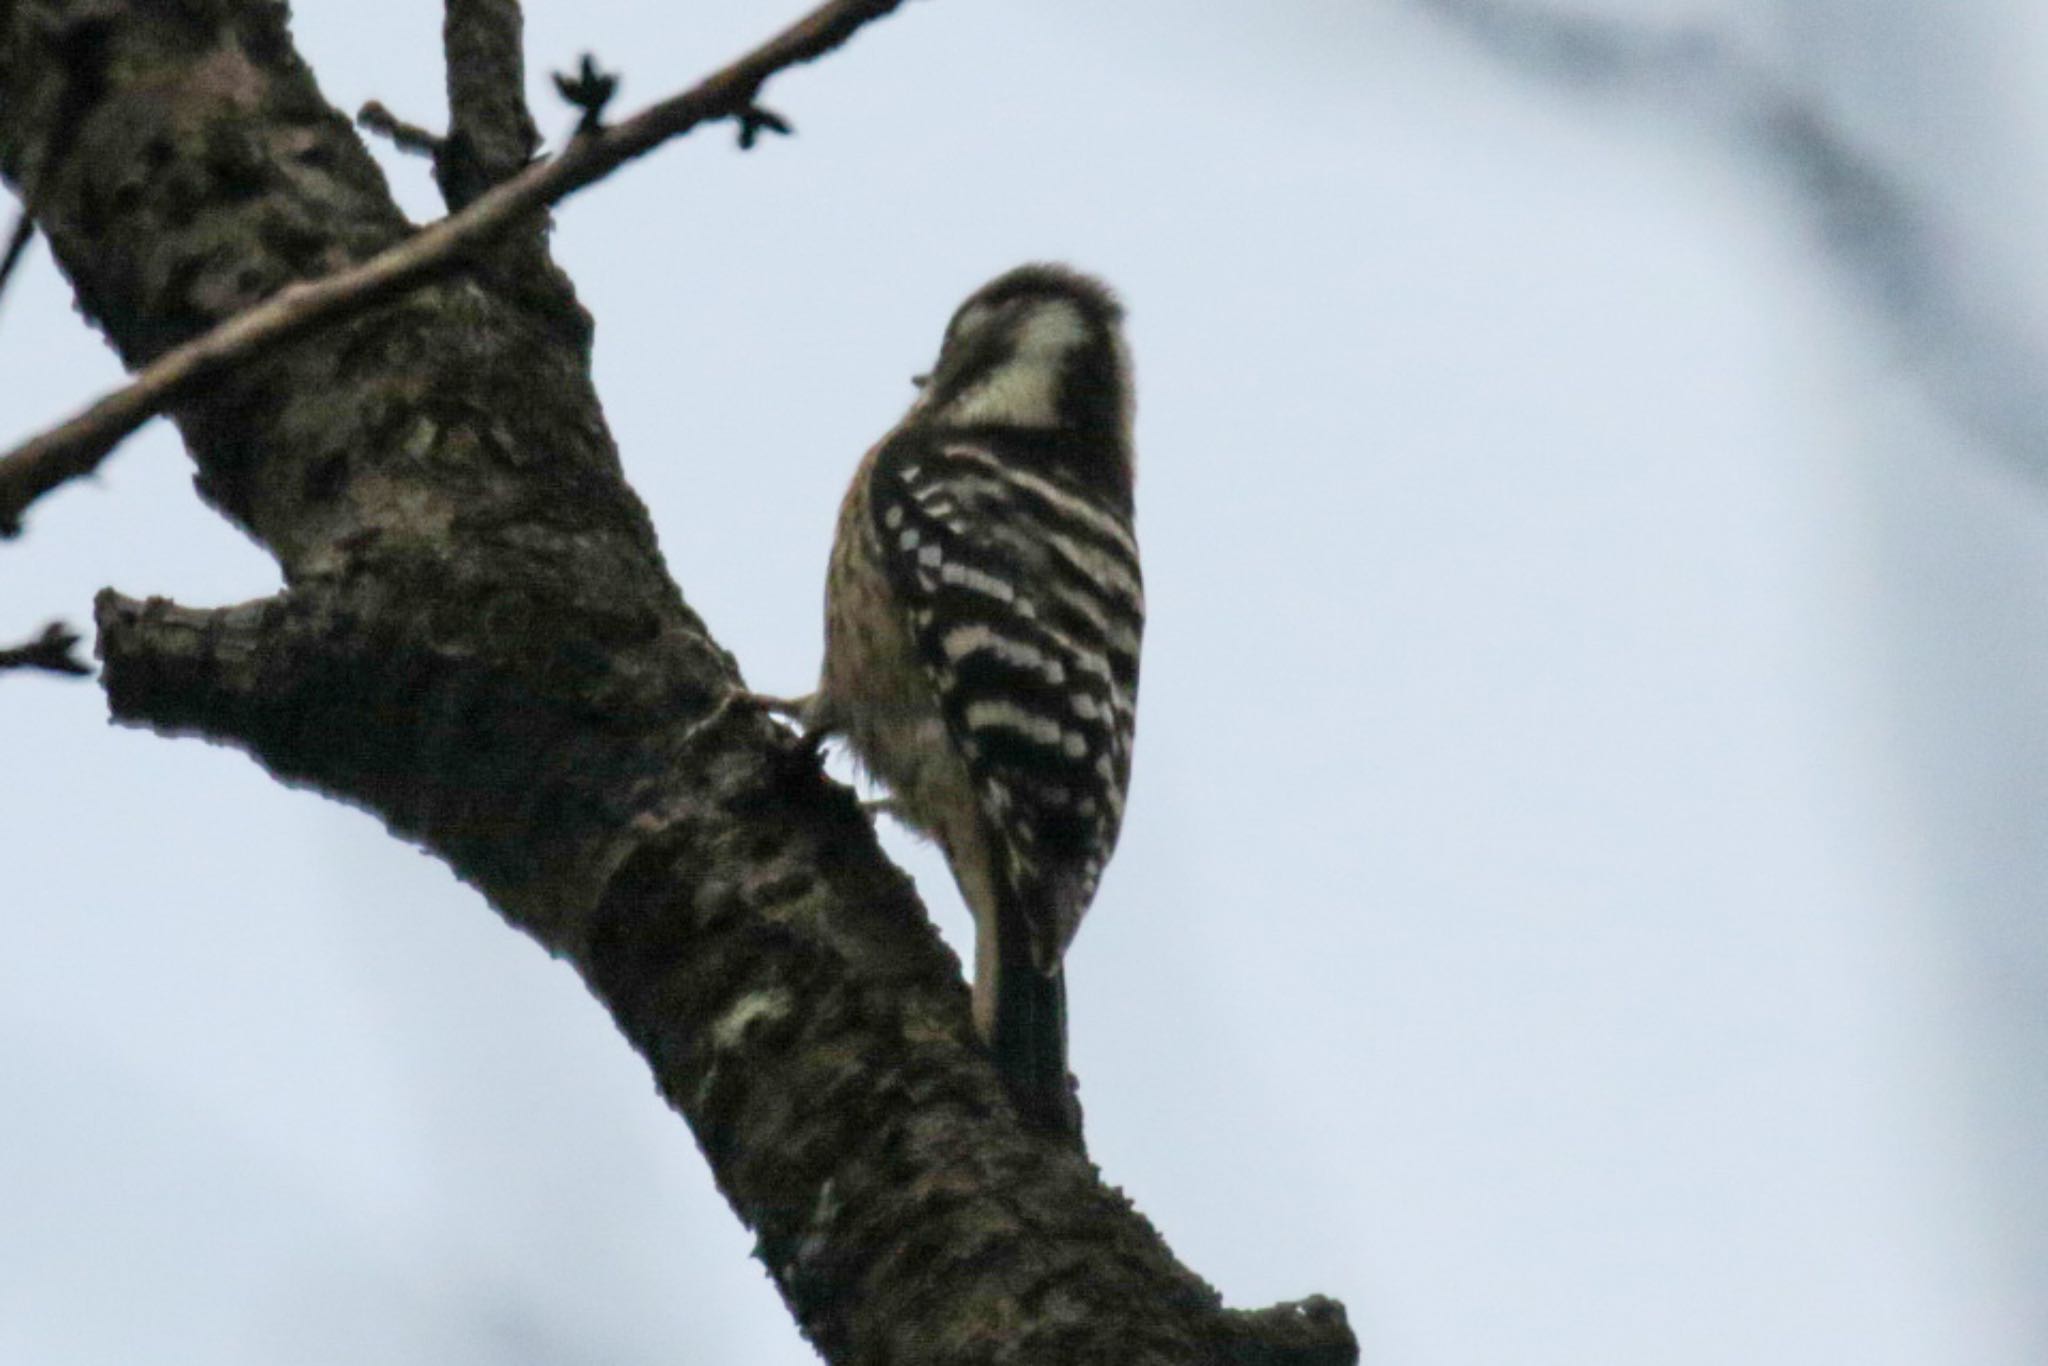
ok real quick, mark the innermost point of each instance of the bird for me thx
(984, 609)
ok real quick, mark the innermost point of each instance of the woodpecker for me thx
(983, 612)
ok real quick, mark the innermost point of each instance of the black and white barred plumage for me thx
(983, 617)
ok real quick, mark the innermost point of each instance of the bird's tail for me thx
(1029, 1037)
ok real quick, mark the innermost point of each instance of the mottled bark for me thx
(479, 642)
(491, 136)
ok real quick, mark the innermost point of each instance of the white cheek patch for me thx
(1024, 391)
(1020, 394)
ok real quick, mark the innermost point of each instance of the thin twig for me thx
(50, 651)
(17, 244)
(406, 137)
(78, 446)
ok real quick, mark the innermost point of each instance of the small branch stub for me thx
(407, 137)
(755, 120)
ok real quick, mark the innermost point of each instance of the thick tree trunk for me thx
(478, 641)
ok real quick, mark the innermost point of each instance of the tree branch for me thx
(479, 643)
(77, 447)
(51, 651)
(750, 941)
(406, 137)
(491, 136)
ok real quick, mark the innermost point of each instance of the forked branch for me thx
(76, 447)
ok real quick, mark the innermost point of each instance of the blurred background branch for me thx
(1886, 234)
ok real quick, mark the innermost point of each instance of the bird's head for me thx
(1039, 347)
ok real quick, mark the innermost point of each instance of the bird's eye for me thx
(920, 380)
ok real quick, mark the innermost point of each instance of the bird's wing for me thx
(1025, 606)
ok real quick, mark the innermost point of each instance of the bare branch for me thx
(51, 651)
(491, 136)
(406, 137)
(77, 446)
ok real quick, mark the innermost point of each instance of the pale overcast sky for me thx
(1581, 900)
